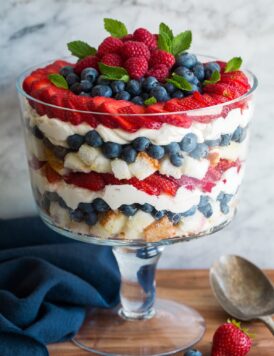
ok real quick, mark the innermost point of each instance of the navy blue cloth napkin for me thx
(47, 283)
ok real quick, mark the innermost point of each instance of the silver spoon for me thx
(243, 290)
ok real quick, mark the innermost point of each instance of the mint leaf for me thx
(113, 73)
(165, 30)
(181, 42)
(150, 101)
(163, 43)
(80, 49)
(180, 82)
(165, 38)
(115, 28)
(58, 80)
(215, 77)
(233, 65)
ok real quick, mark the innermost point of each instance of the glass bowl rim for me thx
(23, 75)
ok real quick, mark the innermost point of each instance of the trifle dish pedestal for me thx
(137, 158)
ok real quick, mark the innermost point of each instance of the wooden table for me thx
(192, 287)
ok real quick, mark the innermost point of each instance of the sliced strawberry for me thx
(163, 184)
(223, 89)
(51, 175)
(113, 120)
(189, 103)
(237, 76)
(92, 181)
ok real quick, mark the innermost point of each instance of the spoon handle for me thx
(268, 321)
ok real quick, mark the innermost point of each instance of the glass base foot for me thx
(175, 327)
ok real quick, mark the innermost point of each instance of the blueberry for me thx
(210, 68)
(122, 95)
(173, 217)
(170, 88)
(93, 139)
(86, 85)
(76, 215)
(75, 141)
(176, 159)
(195, 81)
(224, 208)
(37, 132)
(141, 143)
(117, 86)
(199, 71)
(158, 214)
(60, 152)
(66, 70)
(172, 147)
(100, 205)
(186, 59)
(45, 203)
(86, 208)
(147, 208)
(239, 134)
(89, 74)
(133, 87)
(189, 212)
(111, 149)
(76, 88)
(149, 83)
(72, 78)
(156, 151)
(102, 81)
(206, 210)
(101, 90)
(52, 196)
(194, 88)
(129, 154)
(62, 203)
(91, 218)
(145, 96)
(225, 140)
(213, 143)
(189, 142)
(159, 93)
(192, 352)
(227, 198)
(201, 151)
(178, 94)
(185, 73)
(138, 100)
(128, 210)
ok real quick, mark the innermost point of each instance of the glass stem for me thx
(138, 288)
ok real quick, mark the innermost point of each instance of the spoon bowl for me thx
(242, 289)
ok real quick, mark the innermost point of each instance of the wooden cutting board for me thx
(192, 288)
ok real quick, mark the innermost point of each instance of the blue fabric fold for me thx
(47, 283)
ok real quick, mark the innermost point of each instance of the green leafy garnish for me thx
(233, 65)
(113, 73)
(215, 77)
(180, 82)
(81, 49)
(115, 28)
(58, 80)
(150, 101)
(171, 44)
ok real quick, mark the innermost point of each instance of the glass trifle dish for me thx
(137, 145)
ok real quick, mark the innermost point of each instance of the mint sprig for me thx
(115, 28)
(180, 82)
(171, 44)
(233, 64)
(81, 49)
(150, 101)
(58, 80)
(215, 77)
(113, 73)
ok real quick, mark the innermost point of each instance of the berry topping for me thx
(143, 35)
(135, 49)
(90, 61)
(110, 45)
(136, 67)
(159, 71)
(159, 56)
(112, 59)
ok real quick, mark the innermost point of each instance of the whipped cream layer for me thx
(57, 131)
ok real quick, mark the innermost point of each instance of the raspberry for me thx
(158, 56)
(135, 49)
(143, 35)
(160, 72)
(110, 45)
(89, 61)
(112, 59)
(127, 38)
(136, 67)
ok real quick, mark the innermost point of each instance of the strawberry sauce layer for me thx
(156, 184)
(231, 86)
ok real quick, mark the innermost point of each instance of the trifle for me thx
(139, 139)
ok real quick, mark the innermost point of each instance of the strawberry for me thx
(136, 67)
(143, 35)
(89, 61)
(231, 340)
(112, 59)
(163, 184)
(158, 56)
(223, 89)
(159, 71)
(51, 175)
(111, 107)
(235, 76)
(92, 181)
(110, 45)
(135, 49)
